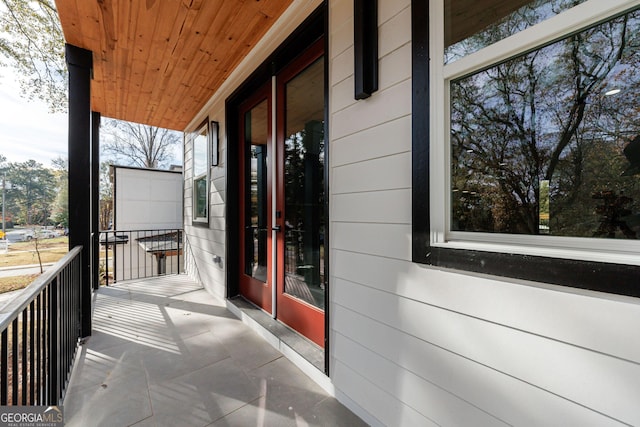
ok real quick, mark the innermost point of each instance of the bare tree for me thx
(32, 43)
(106, 197)
(140, 145)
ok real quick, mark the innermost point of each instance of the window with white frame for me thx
(533, 129)
(201, 167)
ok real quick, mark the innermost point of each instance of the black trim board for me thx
(327, 174)
(80, 65)
(365, 47)
(598, 276)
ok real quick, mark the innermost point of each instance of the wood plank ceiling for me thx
(158, 62)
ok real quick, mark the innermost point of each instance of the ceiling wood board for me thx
(159, 61)
(468, 17)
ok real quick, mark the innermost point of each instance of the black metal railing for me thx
(40, 330)
(137, 254)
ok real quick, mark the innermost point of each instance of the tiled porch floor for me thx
(166, 353)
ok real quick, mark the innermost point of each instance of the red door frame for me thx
(260, 293)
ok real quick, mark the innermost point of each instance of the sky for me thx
(27, 129)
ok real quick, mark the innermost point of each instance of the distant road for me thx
(23, 270)
(18, 271)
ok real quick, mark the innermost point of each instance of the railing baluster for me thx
(53, 342)
(152, 257)
(64, 327)
(38, 379)
(4, 371)
(14, 362)
(32, 355)
(25, 354)
(106, 259)
(145, 263)
(44, 395)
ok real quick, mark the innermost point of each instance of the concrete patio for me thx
(166, 353)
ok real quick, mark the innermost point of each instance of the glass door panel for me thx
(304, 186)
(300, 199)
(255, 199)
(256, 214)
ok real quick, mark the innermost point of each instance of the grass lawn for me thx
(16, 282)
(24, 253)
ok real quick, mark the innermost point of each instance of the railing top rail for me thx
(12, 309)
(142, 229)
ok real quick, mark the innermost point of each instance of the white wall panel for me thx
(383, 107)
(375, 206)
(341, 95)
(395, 67)
(342, 66)
(387, 240)
(505, 397)
(389, 9)
(386, 139)
(147, 199)
(394, 33)
(386, 173)
(388, 410)
(424, 397)
(606, 384)
(341, 28)
(590, 320)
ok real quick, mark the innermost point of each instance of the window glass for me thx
(549, 142)
(200, 205)
(471, 25)
(200, 153)
(200, 172)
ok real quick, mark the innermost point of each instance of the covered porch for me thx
(165, 352)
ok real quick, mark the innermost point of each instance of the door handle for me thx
(276, 228)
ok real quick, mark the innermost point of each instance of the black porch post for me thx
(79, 63)
(95, 199)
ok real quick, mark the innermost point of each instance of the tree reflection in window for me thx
(537, 141)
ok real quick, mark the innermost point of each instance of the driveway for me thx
(22, 270)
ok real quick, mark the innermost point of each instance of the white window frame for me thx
(557, 27)
(203, 129)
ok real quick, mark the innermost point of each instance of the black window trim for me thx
(597, 276)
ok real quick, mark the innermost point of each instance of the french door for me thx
(282, 158)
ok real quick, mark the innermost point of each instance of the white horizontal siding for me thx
(386, 240)
(147, 199)
(387, 173)
(386, 408)
(206, 242)
(504, 397)
(395, 103)
(372, 207)
(414, 345)
(605, 384)
(383, 140)
(426, 398)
